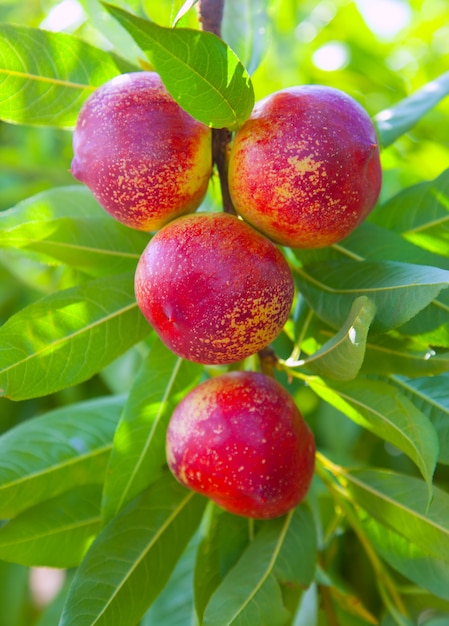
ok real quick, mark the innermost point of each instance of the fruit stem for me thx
(329, 472)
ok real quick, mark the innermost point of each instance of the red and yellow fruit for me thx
(240, 440)
(215, 290)
(304, 169)
(145, 160)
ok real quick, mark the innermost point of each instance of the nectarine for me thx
(240, 440)
(215, 290)
(145, 160)
(304, 169)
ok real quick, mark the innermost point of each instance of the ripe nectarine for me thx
(214, 289)
(145, 160)
(304, 169)
(240, 440)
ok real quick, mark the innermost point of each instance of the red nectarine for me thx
(145, 160)
(214, 289)
(240, 440)
(304, 169)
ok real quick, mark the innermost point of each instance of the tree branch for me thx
(211, 15)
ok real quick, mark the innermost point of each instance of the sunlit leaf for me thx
(138, 454)
(397, 120)
(56, 452)
(429, 572)
(379, 407)
(341, 356)
(420, 213)
(131, 560)
(101, 20)
(202, 74)
(45, 77)
(67, 225)
(431, 396)
(401, 502)
(67, 337)
(245, 28)
(398, 290)
(55, 533)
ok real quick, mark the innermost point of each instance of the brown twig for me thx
(210, 13)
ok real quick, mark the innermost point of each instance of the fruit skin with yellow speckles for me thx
(304, 169)
(240, 440)
(145, 160)
(214, 289)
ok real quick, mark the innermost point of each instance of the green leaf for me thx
(431, 396)
(174, 605)
(224, 537)
(199, 70)
(381, 408)
(409, 559)
(420, 213)
(395, 121)
(108, 28)
(398, 290)
(250, 593)
(138, 453)
(56, 452)
(297, 558)
(14, 593)
(387, 354)
(131, 560)
(401, 503)
(245, 28)
(54, 533)
(386, 245)
(67, 225)
(69, 336)
(341, 357)
(430, 324)
(45, 77)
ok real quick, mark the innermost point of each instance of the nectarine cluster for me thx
(304, 171)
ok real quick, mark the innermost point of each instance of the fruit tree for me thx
(224, 333)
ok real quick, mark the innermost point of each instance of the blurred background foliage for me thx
(378, 51)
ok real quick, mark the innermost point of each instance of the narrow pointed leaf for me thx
(66, 225)
(45, 77)
(397, 120)
(131, 560)
(420, 213)
(245, 28)
(401, 502)
(429, 572)
(56, 452)
(138, 454)
(297, 559)
(398, 290)
(199, 70)
(174, 605)
(430, 325)
(250, 593)
(55, 533)
(341, 357)
(431, 396)
(223, 539)
(403, 356)
(123, 44)
(381, 408)
(69, 336)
